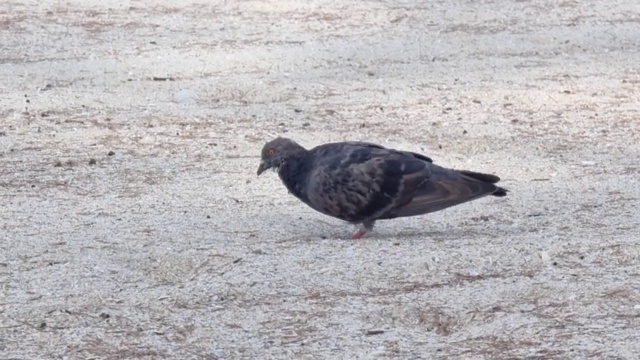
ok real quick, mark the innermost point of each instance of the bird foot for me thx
(358, 235)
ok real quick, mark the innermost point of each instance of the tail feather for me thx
(443, 189)
(480, 176)
(500, 192)
(488, 178)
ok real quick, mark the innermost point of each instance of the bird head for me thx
(275, 152)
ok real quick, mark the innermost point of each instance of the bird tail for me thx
(447, 188)
(488, 178)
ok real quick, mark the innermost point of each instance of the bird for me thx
(361, 182)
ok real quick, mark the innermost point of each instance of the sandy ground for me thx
(133, 225)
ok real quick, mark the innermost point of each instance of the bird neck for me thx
(293, 173)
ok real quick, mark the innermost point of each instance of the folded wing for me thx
(361, 181)
(443, 189)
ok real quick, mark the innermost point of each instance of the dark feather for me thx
(363, 182)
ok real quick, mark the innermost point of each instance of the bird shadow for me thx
(318, 230)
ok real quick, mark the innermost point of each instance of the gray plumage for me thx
(362, 182)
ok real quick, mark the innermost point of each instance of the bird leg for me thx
(360, 233)
(363, 229)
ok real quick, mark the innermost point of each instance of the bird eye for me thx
(271, 152)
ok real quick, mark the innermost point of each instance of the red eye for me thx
(272, 152)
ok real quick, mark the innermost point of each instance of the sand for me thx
(133, 226)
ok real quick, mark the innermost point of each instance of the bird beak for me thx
(261, 168)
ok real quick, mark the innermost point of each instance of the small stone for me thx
(92, 161)
(185, 96)
(111, 153)
(375, 332)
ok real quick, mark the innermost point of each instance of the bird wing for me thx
(376, 146)
(360, 181)
(444, 188)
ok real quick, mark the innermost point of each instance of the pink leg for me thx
(358, 234)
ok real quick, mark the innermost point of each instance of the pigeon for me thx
(362, 182)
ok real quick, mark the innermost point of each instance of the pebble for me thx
(185, 96)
